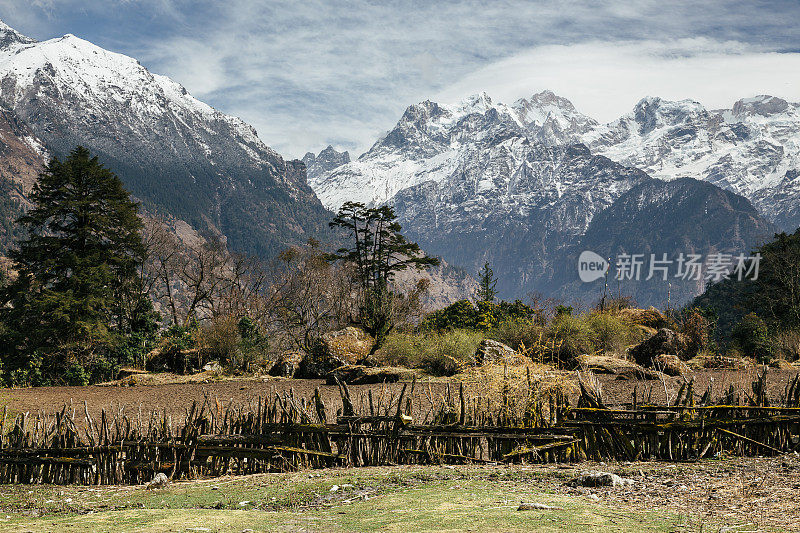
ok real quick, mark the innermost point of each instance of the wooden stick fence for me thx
(286, 433)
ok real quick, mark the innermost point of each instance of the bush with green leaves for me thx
(752, 336)
(518, 334)
(566, 336)
(570, 336)
(459, 315)
(253, 346)
(76, 375)
(611, 334)
(484, 315)
(178, 337)
(564, 310)
(439, 353)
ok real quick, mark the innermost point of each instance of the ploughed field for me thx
(175, 398)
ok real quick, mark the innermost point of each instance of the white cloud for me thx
(605, 79)
(310, 73)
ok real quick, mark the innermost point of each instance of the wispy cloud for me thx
(605, 79)
(316, 72)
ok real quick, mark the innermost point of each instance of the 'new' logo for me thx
(591, 266)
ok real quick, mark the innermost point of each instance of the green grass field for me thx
(375, 499)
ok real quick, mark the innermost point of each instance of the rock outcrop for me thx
(494, 352)
(286, 365)
(365, 375)
(349, 346)
(665, 341)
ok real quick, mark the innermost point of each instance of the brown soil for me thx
(747, 494)
(176, 397)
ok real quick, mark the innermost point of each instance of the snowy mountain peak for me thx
(326, 160)
(475, 103)
(552, 119)
(174, 152)
(653, 112)
(763, 105)
(9, 36)
(545, 100)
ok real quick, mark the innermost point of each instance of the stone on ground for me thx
(595, 478)
(349, 346)
(286, 365)
(537, 507)
(212, 366)
(665, 341)
(649, 318)
(159, 481)
(622, 368)
(670, 364)
(494, 352)
(364, 375)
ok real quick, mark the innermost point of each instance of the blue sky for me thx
(307, 74)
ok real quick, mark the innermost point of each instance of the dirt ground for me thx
(721, 494)
(176, 397)
(724, 494)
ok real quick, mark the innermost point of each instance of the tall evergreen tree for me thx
(378, 251)
(486, 284)
(77, 293)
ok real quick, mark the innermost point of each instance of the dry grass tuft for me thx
(519, 384)
(650, 318)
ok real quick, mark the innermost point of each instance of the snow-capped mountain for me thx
(326, 160)
(520, 185)
(432, 141)
(752, 149)
(479, 181)
(175, 153)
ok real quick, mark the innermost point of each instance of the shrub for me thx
(517, 333)
(787, 345)
(569, 337)
(484, 315)
(253, 346)
(130, 350)
(440, 365)
(176, 341)
(220, 339)
(102, 370)
(75, 375)
(752, 336)
(400, 349)
(437, 353)
(564, 310)
(699, 332)
(179, 337)
(461, 314)
(459, 344)
(28, 372)
(610, 333)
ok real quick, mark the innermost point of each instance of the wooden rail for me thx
(285, 433)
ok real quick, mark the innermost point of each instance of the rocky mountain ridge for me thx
(521, 185)
(176, 154)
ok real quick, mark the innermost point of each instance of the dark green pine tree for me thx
(378, 251)
(486, 284)
(77, 297)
